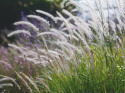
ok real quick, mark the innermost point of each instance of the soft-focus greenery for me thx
(107, 75)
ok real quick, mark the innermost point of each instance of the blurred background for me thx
(12, 10)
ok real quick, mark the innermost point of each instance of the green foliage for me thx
(106, 76)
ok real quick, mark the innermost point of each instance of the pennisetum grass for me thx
(80, 56)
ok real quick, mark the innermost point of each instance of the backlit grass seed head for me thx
(63, 3)
(58, 32)
(5, 78)
(5, 84)
(63, 24)
(47, 33)
(39, 18)
(28, 24)
(47, 14)
(66, 24)
(69, 14)
(72, 2)
(18, 32)
(15, 47)
(74, 10)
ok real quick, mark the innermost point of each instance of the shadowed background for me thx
(10, 10)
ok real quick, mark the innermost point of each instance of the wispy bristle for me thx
(39, 18)
(28, 24)
(18, 32)
(47, 14)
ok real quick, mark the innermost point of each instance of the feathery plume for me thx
(16, 47)
(9, 78)
(31, 81)
(24, 82)
(5, 84)
(47, 33)
(47, 14)
(39, 18)
(71, 2)
(26, 23)
(18, 32)
(63, 2)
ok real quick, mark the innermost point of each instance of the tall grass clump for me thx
(80, 56)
